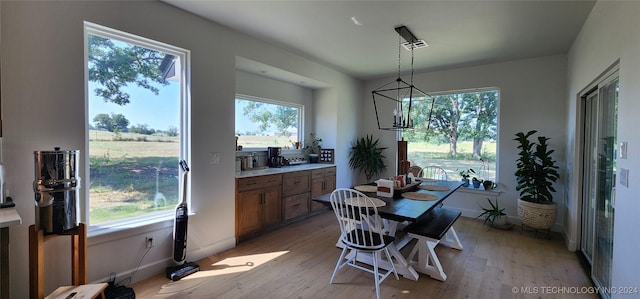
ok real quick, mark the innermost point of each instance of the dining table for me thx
(398, 210)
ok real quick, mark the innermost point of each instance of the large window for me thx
(261, 123)
(136, 126)
(462, 133)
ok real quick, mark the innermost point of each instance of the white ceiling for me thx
(459, 33)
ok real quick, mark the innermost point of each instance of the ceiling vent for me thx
(416, 44)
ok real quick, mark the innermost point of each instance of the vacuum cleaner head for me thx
(178, 272)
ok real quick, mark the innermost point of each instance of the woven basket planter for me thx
(537, 215)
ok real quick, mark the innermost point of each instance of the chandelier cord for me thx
(399, 105)
(412, 47)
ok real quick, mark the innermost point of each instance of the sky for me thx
(157, 111)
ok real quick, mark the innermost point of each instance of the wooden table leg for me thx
(36, 263)
(4, 263)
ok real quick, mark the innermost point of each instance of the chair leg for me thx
(338, 265)
(393, 265)
(376, 276)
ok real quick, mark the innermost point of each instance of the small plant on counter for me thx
(314, 146)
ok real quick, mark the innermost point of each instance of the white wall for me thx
(532, 96)
(610, 33)
(43, 106)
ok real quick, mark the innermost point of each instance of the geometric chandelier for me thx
(393, 101)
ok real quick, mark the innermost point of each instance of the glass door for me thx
(588, 186)
(599, 178)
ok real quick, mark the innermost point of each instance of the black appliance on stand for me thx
(274, 156)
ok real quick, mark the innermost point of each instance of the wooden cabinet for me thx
(266, 202)
(258, 203)
(296, 188)
(323, 181)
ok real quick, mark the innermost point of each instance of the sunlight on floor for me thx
(237, 264)
(189, 285)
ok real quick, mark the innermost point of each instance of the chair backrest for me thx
(415, 170)
(360, 224)
(433, 172)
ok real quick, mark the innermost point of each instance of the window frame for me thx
(399, 135)
(300, 108)
(184, 148)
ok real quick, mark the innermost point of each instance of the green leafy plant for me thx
(491, 214)
(536, 171)
(314, 146)
(367, 156)
(466, 173)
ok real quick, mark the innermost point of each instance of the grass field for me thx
(131, 178)
(426, 154)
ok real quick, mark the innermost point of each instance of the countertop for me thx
(283, 169)
(9, 217)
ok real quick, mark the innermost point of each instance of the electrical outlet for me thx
(215, 158)
(149, 241)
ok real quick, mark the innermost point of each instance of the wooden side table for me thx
(91, 291)
(79, 275)
(8, 217)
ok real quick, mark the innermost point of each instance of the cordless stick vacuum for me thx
(182, 267)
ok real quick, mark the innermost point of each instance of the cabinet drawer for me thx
(295, 183)
(257, 182)
(317, 173)
(330, 171)
(296, 205)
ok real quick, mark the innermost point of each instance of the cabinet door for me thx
(330, 184)
(249, 211)
(317, 189)
(272, 206)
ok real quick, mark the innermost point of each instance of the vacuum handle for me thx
(184, 165)
(185, 168)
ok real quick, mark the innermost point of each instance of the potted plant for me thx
(494, 216)
(367, 156)
(536, 171)
(313, 148)
(476, 182)
(487, 184)
(465, 174)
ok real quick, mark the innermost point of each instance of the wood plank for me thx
(296, 261)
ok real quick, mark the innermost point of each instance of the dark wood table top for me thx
(403, 209)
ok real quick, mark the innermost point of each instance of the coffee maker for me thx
(274, 156)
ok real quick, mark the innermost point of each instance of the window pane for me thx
(134, 97)
(461, 134)
(260, 123)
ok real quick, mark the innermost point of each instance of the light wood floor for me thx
(297, 262)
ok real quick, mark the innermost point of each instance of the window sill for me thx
(126, 228)
(470, 189)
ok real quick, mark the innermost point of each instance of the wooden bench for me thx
(433, 229)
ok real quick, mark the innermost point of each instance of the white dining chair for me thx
(360, 231)
(434, 173)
